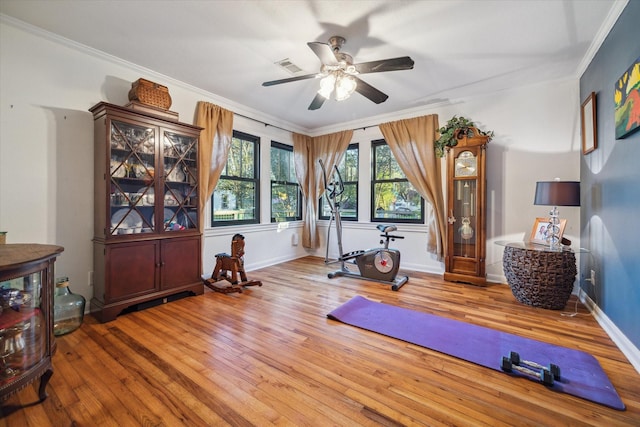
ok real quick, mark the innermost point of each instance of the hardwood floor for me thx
(269, 356)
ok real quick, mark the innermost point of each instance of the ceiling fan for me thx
(339, 74)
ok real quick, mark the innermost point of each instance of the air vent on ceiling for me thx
(289, 66)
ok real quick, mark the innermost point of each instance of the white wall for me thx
(48, 84)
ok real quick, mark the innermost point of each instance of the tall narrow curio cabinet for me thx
(27, 343)
(466, 208)
(147, 234)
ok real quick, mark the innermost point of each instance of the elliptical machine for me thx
(378, 264)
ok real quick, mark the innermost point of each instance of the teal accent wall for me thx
(610, 186)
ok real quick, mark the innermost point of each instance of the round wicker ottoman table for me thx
(538, 276)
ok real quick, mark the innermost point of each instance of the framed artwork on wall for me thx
(540, 227)
(588, 121)
(626, 96)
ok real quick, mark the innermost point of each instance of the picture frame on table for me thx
(539, 230)
(588, 121)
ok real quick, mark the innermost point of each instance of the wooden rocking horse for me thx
(231, 268)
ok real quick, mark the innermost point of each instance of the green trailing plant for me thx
(449, 131)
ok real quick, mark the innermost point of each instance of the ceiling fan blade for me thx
(368, 91)
(393, 64)
(324, 52)
(317, 102)
(290, 79)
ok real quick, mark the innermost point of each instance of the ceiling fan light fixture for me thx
(339, 75)
(345, 86)
(327, 85)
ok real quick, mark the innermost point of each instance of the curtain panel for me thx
(307, 152)
(412, 143)
(215, 141)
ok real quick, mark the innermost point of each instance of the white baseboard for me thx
(497, 278)
(273, 261)
(421, 268)
(627, 348)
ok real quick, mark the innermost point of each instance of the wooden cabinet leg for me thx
(44, 380)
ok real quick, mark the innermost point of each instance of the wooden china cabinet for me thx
(466, 205)
(147, 237)
(26, 316)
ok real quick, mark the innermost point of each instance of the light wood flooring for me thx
(269, 356)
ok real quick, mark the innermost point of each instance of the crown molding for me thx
(607, 25)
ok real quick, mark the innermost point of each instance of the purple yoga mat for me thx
(581, 374)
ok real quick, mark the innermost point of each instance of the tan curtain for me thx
(215, 140)
(412, 143)
(307, 152)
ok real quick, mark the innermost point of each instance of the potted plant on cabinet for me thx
(456, 128)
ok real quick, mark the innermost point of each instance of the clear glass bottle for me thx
(68, 308)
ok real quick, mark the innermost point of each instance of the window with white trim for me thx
(236, 197)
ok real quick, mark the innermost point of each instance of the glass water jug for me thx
(68, 308)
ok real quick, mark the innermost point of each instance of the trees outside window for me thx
(348, 168)
(393, 198)
(236, 197)
(285, 191)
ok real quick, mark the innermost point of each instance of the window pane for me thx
(285, 191)
(276, 164)
(240, 162)
(393, 198)
(292, 169)
(284, 202)
(348, 201)
(282, 166)
(234, 200)
(386, 166)
(248, 154)
(396, 200)
(233, 161)
(349, 165)
(349, 204)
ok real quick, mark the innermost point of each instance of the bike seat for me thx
(385, 228)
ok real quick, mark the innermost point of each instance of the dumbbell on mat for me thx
(543, 375)
(552, 367)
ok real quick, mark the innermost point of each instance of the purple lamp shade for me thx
(557, 193)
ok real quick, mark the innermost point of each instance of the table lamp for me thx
(556, 193)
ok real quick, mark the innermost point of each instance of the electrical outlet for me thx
(91, 278)
(593, 278)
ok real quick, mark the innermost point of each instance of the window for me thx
(285, 190)
(235, 199)
(392, 196)
(348, 169)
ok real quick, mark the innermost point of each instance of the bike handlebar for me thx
(334, 188)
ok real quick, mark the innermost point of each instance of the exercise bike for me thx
(378, 264)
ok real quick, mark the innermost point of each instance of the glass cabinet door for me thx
(132, 171)
(23, 334)
(464, 237)
(180, 182)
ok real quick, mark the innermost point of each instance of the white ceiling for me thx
(460, 47)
